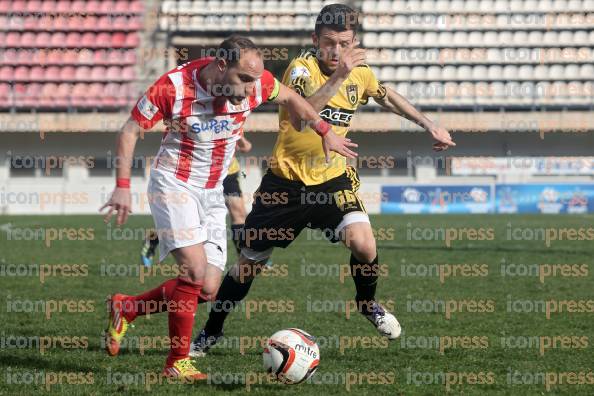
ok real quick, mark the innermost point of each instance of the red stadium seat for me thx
(121, 23)
(9, 56)
(52, 73)
(134, 23)
(128, 73)
(18, 6)
(84, 57)
(43, 39)
(104, 23)
(34, 6)
(114, 57)
(95, 95)
(97, 73)
(110, 94)
(13, 39)
(121, 7)
(79, 6)
(62, 97)
(68, 73)
(79, 95)
(73, 40)
(114, 73)
(6, 73)
(93, 6)
(69, 56)
(82, 73)
(19, 93)
(36, 73)
(137, 6)
(21, 73)
(88, 40)
(132, 40)
(5, 6)
(61, 22)
(103, 40)
(23, 56)
(100, 57)
(48, 94)
(62, 6)
(5, 94)
(48, 6)
(118, 40)
(2, 39)
(106, 7)
(28, 40)
(58, 40)
(32, 95)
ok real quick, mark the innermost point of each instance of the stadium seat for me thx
(36, 73)
(52, 73)
(21, 73)
(69, 73)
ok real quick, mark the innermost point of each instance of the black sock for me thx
(236, 235)
(230, 293)
(153, 240)
(365, 277)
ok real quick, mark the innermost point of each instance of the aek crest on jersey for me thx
(352, 93)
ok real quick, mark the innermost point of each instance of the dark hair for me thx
(337, 17)
(230, 49)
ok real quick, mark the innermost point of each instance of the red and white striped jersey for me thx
(202, 130)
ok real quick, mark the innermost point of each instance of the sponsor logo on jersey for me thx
(146, 108)
(339, 117)
(299, 71)
(352, 92)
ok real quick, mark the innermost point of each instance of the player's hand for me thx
(244, 145)
(121, 202)
(444, 140)
(350, 59)
(338, 144)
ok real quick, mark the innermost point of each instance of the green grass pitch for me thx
(491, 325)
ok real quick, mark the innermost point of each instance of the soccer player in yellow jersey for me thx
(304, 187)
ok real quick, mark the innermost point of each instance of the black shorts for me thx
(283, 208)
(231, 185)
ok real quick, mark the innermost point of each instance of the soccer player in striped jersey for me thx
(233, 201)
(204, 104)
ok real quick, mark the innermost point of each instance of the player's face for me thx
(240, 79)
(331, 45)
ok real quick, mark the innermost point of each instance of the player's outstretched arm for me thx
(300, 109)
(399, 105)
(120, 200)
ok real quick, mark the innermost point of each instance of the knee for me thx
(365, 250)
(245, 271)
(210, 287)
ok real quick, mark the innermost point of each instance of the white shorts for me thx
(186, 216)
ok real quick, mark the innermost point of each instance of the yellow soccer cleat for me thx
(118, 325)
(184, 369)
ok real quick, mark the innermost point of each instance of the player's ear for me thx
(315, 40)
(222, 65)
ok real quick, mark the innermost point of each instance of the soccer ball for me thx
(291, 355)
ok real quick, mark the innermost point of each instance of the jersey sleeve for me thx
(155, 104)
(298, 78)
(270, 86)
(374, 88)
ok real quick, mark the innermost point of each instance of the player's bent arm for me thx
(301, 110)
(320, 98)
(120, 200)
(398, 104)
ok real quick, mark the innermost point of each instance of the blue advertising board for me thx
(552, 198)
(500, 198)
(437, 199)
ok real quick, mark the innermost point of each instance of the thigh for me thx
(336, 204)
(192, 262)
(176, 214)
(214, 213)
(277, 216)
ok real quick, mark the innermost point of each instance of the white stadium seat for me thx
(495, 72)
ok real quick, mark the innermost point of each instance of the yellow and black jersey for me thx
(234, 167)
(299, 155)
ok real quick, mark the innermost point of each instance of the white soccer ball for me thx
(291, 355)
